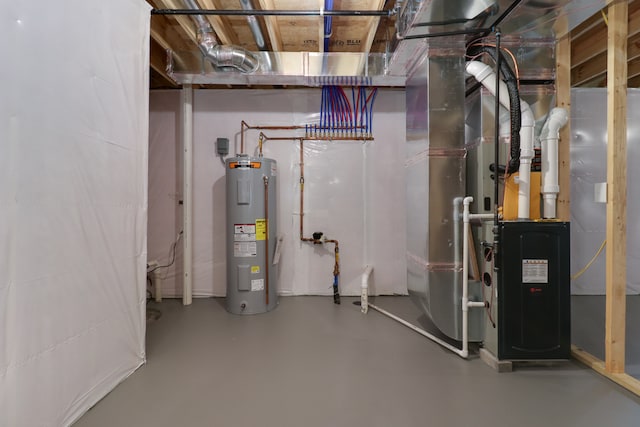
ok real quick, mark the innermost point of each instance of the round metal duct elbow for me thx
(235, 57)
(227, 56)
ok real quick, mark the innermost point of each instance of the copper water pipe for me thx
(336, 266)
(245, 126)
(242, 125)
(336, 251)
(264, 138)
(265, 179)
(304, 239)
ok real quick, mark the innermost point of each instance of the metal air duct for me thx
(219, 55)
(254, 25)
(435, 174)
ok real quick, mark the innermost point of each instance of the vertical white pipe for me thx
(526, 154)
(466, 304)
(155, 277)
(364, 289)
(187, 189)
(465, 275)
(549, 137)
(550, 187)
(487, 77)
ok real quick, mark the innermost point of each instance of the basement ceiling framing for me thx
(364, 34)
(355, 34)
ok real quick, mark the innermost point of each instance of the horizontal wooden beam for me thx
(587, 359)
(220, 24)
(158, 62)
(271, 23)
(596, 68)
(633, 69)
(591, 70)
(634, 81)
(590, 44)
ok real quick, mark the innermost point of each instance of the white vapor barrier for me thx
(354, 191)
(73, 179)
(589, 168)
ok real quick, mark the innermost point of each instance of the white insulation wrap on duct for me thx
(589, 168)
(351, 191)
(73, 179)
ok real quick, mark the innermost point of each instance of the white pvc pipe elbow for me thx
(485, 75)
(364, 289)
(549, 138)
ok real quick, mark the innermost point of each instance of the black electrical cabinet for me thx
(534, 291)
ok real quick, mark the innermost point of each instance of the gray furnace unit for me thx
(251, 235)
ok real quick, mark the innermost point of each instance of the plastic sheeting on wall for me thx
(353, 191)
(73, 178)
(589, 167)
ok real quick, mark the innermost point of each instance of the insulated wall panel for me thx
(73, 179)
(588, 168)
(353, 191)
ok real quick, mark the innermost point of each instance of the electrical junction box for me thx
(222, 146)
(534, 291)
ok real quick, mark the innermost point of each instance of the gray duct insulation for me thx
(254, 25)
(219, 55)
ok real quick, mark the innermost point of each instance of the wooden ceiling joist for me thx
(372, 28)
(589, 48)
(183, 21)
(167, 34)
(220, 24)
(158, 62)
(272, 26)
(592, 43)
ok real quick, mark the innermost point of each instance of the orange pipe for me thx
(266, 238)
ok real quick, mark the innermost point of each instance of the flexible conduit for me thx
(514, 100)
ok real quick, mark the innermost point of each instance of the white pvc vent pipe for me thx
(364, 289)
(466, 304)
(485, 75)
(549, 138)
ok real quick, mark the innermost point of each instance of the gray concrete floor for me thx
(587, 328)
(312, 363)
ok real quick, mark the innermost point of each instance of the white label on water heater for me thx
(243, 237)
(244, 228)
(245, 249)
(257, 285)
(274, 169)
(244, 233)
(535, 271)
